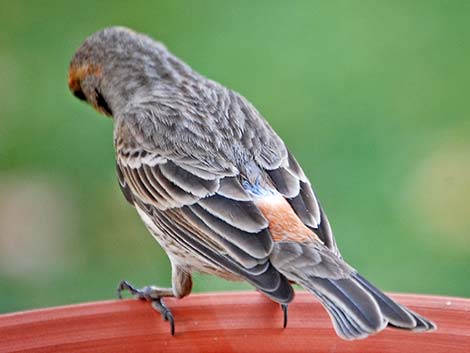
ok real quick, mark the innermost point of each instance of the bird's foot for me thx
(154, 295)
(284, 310)
(160, 306)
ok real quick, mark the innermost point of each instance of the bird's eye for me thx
(102, 104)
(79, 94)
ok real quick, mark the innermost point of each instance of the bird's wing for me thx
(206, 214)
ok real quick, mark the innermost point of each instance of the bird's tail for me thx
(358, 309)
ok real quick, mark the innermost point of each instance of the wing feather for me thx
(230, 187)
(243, 215)
(286, 183)
(187, 181)
(258, 245)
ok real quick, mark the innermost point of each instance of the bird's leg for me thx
(182, 285)
(284, 310)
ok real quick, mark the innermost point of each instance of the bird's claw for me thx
(167, 315)
(124, 285)
(284, 310)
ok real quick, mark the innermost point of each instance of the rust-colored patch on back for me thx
(77, 74)
(284, 224)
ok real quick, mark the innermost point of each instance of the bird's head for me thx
(112, 66)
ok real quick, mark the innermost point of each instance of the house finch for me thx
(217, 187)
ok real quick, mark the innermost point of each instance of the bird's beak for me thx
(75, 84)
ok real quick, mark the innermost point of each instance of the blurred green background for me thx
(371, 96)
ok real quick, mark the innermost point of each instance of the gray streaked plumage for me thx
(216, 186)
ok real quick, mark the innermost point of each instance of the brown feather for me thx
(284, 224)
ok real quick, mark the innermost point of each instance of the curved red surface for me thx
(223, 322)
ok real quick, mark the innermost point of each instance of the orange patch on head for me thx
(284, 224)
(77, 74)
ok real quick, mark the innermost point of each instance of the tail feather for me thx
(358, 309)
(344, 325)
(422, 324)
(397, 315)
(354, 312)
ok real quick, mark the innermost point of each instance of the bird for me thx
(217, 187)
